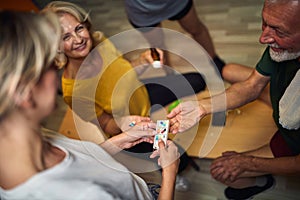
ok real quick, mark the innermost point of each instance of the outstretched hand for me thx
(184, 116)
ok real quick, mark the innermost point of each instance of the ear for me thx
(25, 98)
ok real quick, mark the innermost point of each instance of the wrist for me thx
(169, 174)
(116, 142)
(202, 111)
(253, 162)
(170, 169)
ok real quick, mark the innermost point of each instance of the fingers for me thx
(154, 154)
(222, 175)
(175, 127)
(144, 126)
(148, 58)
(161, 54)
(152, 125)
(143, 119)
(170, 148)
(228, 153)
(161, 144)
(174, 112)
(146, 135)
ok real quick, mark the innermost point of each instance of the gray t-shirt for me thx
(87, 172)
(144, 13)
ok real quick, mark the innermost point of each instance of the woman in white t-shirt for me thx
(35, 166)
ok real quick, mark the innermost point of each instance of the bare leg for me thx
(191, 23)
(233, 73)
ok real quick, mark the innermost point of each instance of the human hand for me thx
(132, 137)
(136, 123)
(229, 153)
(146, 56)
(142, 62)
(230, 166)
(184, 116)
(168, 156)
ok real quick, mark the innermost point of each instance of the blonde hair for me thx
(28, 45)
(60, 8)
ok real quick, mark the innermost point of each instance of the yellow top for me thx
(106, 83)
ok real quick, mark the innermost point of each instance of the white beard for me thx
(283, 56)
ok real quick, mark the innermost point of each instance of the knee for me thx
(235, 73)
(227, 69)
(196, 81)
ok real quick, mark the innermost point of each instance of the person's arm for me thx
(141, 63)
(128, 139)
(110, 126)
(234, 165)
(107, 124)
(237, 94)
(187, 114)
(167, 185)
(282, 165)
(169, 161)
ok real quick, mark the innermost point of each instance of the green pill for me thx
(173, 105)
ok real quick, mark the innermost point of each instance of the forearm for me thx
(167, 185)
(112, 128)
(235, 96)
(282, 165)
(113, 145)
(107, 124)
(240, 94)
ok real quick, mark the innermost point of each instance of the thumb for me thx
(174, 112)
(161, 144)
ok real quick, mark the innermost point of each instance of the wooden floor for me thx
(235, 27)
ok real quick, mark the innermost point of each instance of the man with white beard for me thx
(246, 173)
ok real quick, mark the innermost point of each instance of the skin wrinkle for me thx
(276, 33)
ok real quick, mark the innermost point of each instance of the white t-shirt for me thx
(87, 172)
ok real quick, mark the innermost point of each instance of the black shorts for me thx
(178, 16)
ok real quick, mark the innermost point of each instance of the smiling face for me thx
(76, 39)
(281, 29)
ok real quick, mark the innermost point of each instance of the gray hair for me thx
(28, 44)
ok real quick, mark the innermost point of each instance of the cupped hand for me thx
(135, 122)
(133, 137)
